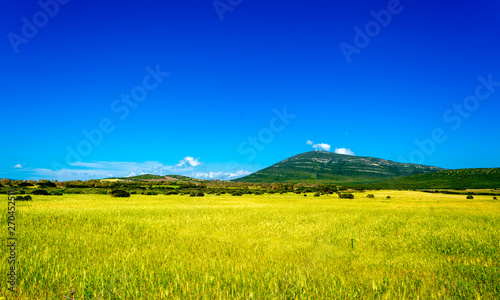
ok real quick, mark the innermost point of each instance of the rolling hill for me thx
(322, 166)
(151, 177)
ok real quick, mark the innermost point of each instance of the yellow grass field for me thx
(413, 246)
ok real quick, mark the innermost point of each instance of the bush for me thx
(346, 196)
(150, 193)
(236, 193)
(370, 196)
(196, 194)
(39, 192)
(470, 197)
(57, 193)
(171, 193)
(316, 194)
(305, 195)
(25, 198)
(24, 183)
(21, 192)
(119, 193)
(388, 197)
(494, 198)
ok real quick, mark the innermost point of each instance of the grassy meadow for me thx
(413, 246)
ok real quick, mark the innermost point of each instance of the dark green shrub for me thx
(19, 198)
(494, 198)
(171, 193)
(21, 192)
(470, 197)
(39, 192)
(27, 198)
(388, 197)
(119, 193)
(370, 196)
(305, 195)
(24, 183)
(200, 194)
(316, 194)
(346, 196)
(57, 193)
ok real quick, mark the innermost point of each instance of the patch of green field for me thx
(271, 246)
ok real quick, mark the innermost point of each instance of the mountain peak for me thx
(324, 166)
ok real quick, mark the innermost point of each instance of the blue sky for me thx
(219, 89)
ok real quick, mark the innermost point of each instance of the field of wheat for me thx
(413, 245)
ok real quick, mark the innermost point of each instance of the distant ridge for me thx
(152, 177)
(479, 178)
(322, 166)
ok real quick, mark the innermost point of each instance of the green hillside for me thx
(321, 166)
(144, 176)
(488, 178)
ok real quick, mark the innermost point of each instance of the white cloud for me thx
(322, 146)
(220, 175)
(188, 161)
(18, 166)
(345, 151)
(188, 166)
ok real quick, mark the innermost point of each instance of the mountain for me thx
(487, 178)
(322, 166)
